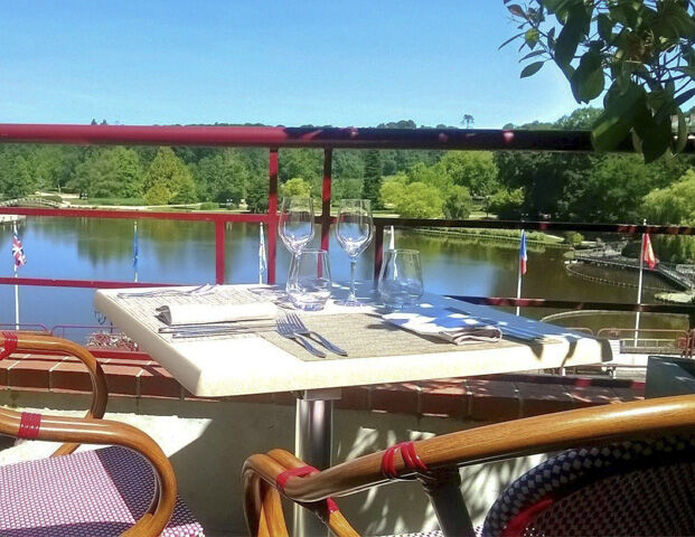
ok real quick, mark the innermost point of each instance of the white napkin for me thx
(456, 328)
(174, 314)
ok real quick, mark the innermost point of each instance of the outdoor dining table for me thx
(378, 352)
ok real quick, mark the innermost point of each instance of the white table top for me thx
(229, 366)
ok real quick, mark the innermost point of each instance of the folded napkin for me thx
(455, 328)
(175, 314)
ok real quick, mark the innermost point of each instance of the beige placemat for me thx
(365, 335)
(362, 335)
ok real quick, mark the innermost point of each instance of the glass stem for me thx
(353, 291)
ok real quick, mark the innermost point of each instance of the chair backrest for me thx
(644, 487)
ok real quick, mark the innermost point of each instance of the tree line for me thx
(596, 187)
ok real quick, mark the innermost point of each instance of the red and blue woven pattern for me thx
(644, 487)
(97, 493)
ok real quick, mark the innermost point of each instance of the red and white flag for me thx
(18, 252)
(648, 253)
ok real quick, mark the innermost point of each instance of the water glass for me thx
(296, 222)
(400, 279)
(309, 281)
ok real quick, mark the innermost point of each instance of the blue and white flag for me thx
(135, 245)
(523, 256)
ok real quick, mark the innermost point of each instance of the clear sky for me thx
(293, 62)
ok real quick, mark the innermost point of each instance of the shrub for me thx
(573, 238)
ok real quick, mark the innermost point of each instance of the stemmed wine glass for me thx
(296, 223)
(354, 232)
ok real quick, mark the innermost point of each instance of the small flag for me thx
(262, 259)
(648, 253)
(135, 246)
(523, 257)
(18, 251)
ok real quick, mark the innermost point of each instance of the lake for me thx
(184, 252)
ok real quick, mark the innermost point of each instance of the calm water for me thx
(184, 252)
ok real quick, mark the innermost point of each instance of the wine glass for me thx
(296, 224)
(354, 232)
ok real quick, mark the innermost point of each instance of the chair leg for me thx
(444, 490)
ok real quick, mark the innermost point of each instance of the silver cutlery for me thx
(199, 290)
(285, 330)
(300, 328)
(218, 332)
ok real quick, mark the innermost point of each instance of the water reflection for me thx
(184, 252)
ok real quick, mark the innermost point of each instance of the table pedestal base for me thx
(313, 444)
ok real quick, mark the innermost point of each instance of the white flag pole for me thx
(16, 287)
(392, 239)
(639, 283)
(518, 281)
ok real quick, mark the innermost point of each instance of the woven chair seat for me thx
(98, 493)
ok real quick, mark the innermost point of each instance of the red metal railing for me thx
(327, 139)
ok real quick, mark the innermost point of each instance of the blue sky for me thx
(356, 63)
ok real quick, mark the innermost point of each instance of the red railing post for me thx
(272, 213)
(378, 248)
(219, 251)
(326, 198)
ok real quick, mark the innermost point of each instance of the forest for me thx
(597, 187)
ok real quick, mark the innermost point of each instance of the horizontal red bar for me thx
(134, 215)
(275, 137)
(90, 284)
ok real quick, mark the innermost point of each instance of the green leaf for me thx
(605, 26)
(532, 55)
(510, 40)
(588, 80)
(613, 125)
(655, 136)
(531, 69)
(684, 97)
(575, 29)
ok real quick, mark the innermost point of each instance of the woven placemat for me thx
(362, 335)
(365, 335)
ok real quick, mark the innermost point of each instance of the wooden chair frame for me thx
(93, 430)
(444, 454)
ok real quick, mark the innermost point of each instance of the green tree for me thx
(458, 203)
(420, 201)
(475, 170)
(673, 205)
(16, 179)
(168, 177)
(295, 187)
(643, 48)
(221, 176)
(392, 188)
(112, 172)
(372, 177)
(507, 204)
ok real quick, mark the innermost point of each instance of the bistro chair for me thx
(628, 469)
(126, 489)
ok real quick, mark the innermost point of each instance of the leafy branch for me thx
(637, 54)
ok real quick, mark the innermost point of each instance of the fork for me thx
(199, 290)
(284, 329)
(300, 328)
